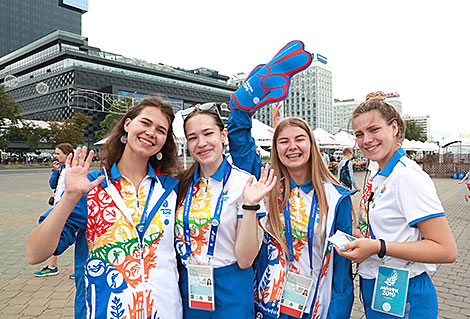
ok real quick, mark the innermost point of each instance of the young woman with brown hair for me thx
(122, 219)
(403, 226)
(216, 223)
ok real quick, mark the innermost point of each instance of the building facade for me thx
(342, 111)
(59, 74)
(423, 121)
(310, 97)
(22, 22)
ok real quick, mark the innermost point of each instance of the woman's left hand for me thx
(360, 249)
(253, 192)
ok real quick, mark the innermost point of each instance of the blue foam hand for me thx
(270, 82)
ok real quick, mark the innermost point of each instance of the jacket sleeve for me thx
(75, 222)
(242, 144)
(53, 179)
(342, 293)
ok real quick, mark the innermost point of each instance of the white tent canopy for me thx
(325, 139)
(413, 145)
(346, 139)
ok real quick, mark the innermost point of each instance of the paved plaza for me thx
(23, 197)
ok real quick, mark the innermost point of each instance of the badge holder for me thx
(201, 287)
(295, 294)
(390, 291)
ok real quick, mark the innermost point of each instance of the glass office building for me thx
(22, 22)
(59, 74)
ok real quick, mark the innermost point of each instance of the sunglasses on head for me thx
(211, 106)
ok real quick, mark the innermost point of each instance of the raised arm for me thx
(242, 144)
(44, 239)
(246, 245)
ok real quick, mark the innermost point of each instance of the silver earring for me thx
(123, 139)
(159, 156)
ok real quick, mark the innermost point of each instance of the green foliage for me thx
(69, 131)
(118, 109)
(414, 131)
(9, 116)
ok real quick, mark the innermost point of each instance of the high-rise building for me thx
(342, 111)
(423, 121)
(310, 97)
(22, 22)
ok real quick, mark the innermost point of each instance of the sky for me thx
(419, 49)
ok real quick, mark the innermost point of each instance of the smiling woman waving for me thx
(122, 220)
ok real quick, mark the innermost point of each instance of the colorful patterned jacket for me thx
(120, 275)
(334, 294)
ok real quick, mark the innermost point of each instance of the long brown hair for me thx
(319, 174)
(113, 148)
(377, 101)
(186, 176)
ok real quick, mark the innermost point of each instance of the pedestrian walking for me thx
(402, 222)
(216, 222)
(57, 183)
(122, 220)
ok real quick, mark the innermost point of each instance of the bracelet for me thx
(251, 207)
(383, 249)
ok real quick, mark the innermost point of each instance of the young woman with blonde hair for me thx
(306, 206)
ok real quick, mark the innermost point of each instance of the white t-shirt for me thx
(404, 195)
(60, 186)
(205, 196)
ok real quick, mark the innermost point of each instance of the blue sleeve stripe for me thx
(419, 220)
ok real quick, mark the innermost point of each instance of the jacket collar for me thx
(388, 169)
(218, 176)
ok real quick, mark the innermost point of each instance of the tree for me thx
(9, 116)
(414, 131)
(69, 131)
(117, 110)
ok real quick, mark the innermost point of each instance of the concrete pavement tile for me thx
(38, 301)
(12, 311)
(32, 310)
(58, 303)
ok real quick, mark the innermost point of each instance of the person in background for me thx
(403, 228)
(348, 180)
(57, 183)
(466, 178)
(325, 157)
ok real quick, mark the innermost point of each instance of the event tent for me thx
(325, 139)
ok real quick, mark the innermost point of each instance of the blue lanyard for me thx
(310, 229)
(215, 219)
(143, 219)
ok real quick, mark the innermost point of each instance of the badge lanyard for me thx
(215, 219)
(143, 219)
(310, 231)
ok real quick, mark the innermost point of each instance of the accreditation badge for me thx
(391, 289)
(201, 287)
(295, 294)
